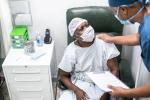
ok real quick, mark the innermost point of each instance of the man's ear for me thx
(74, 38)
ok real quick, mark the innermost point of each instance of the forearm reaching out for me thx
(143, 91)
(131, 40)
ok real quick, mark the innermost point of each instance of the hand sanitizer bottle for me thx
(39, 41)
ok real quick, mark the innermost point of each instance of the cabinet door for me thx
(29, 83)
(30, 86)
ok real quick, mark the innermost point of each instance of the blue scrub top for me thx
(144, 31)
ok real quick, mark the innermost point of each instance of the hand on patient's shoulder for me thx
(105, 37)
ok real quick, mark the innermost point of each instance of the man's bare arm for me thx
(113, 66)
(131, 40)
(143, 91)
(65, 78)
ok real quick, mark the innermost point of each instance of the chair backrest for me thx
(101, 19)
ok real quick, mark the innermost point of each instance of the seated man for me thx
(85, 54)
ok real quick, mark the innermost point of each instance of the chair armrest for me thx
(125, 73)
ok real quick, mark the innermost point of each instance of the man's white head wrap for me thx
(74, 23)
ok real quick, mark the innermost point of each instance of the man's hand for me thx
(81, 95)
(105, 96)
(105, 37)
(118, 91)
(130, 40)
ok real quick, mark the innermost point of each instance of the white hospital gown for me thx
(78, 60)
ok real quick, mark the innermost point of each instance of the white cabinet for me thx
(29, 79)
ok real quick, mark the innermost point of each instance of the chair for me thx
(102, 20)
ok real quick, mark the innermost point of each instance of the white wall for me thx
(0, 41)
(52, 14)
(6, 23)
(2, 52)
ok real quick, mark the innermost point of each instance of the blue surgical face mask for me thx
(147, 1)
(124, 22)
(127, 21)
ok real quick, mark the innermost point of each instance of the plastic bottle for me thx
(39, 41)
(47, 38)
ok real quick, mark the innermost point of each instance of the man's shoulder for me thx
(100, 42)
(70, 47)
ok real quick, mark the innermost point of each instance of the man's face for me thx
(80, 30)
(120, 13)
(125, 12)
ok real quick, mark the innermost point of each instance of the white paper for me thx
(102, 80)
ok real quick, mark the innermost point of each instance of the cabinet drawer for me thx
(33, 99)
(27, 70)
(35, 96)
(27, 89)
(32, 95)
(29, 79)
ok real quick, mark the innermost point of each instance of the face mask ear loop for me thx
(117, 11)
(133, 15)
(136, 13)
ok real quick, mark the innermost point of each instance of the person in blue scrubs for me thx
(131, 11)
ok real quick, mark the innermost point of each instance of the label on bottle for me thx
(39, 41)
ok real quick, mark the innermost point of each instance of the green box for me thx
(19, 36)
(19, 32)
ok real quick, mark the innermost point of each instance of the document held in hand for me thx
(102, 80)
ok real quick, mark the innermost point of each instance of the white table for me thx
(29, 79)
